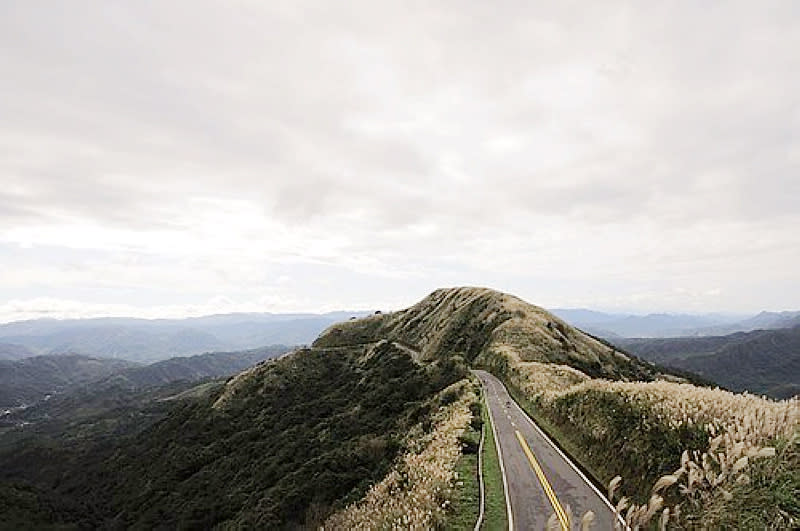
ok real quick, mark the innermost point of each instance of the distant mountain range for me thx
(286, 444)
(30, 380)
(762, 361)
(146, 341)
(609, 325)
(192, 368)
(387, 400)
(10, 351)
(151, 340)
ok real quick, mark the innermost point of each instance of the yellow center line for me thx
(551, 495)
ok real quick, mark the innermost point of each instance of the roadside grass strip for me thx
(495, 516)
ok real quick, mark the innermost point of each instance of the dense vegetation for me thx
(372, 423)
(680, 448)
(419, 491)
(191, 368)
(763, 362)
(80, 388)
(279, 446)
(30, 379)
(10, 351)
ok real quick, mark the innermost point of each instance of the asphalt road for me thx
(539, 479)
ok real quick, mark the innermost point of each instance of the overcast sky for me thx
(175, 158)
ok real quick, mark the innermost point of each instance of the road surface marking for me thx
(571, 464)
(502, 468)
(551, 495)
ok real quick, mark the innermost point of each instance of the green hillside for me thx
(363, 430)
(31, 379)
(764, 362)
(278, 446)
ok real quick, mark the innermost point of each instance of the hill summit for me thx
(481, 326)
(365, 429)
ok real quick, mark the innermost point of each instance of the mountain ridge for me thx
(144, 340)
(298, 441)
(759, 361)
(611, 325)
(31, 379)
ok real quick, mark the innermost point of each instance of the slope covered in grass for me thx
(484, 326)
(281, 445)
(764, 361)
(616, 414)
(368, 421)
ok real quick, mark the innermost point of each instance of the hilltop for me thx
(367, 426)
(486, 327)
(614, 413)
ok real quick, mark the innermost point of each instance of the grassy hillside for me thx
(621, 416)
(616, 414)
(366, 427)
(286, 442)
(127, 387)
(483, 326)
(763, 362)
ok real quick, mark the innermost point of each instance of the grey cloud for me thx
(455, 119)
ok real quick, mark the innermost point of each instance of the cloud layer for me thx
(310, 155)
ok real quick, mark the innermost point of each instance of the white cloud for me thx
(370, 152)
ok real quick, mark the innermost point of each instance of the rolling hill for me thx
(10, 351)
(191, 368)
(31, 379)
(293, 441)
(147, 341)
(384, 401)
(287, 442)
(763, 361)
(612, 326)
(119, 387)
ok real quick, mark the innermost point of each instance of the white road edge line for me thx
(567, 459)
(502, 468)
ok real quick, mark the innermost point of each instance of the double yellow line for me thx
(551, 495)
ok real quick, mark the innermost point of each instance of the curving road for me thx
(539, 479)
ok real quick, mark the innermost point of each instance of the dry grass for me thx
(474, 322)
(417, 492)
(555, 364)
(742, 416)
(741, 429)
